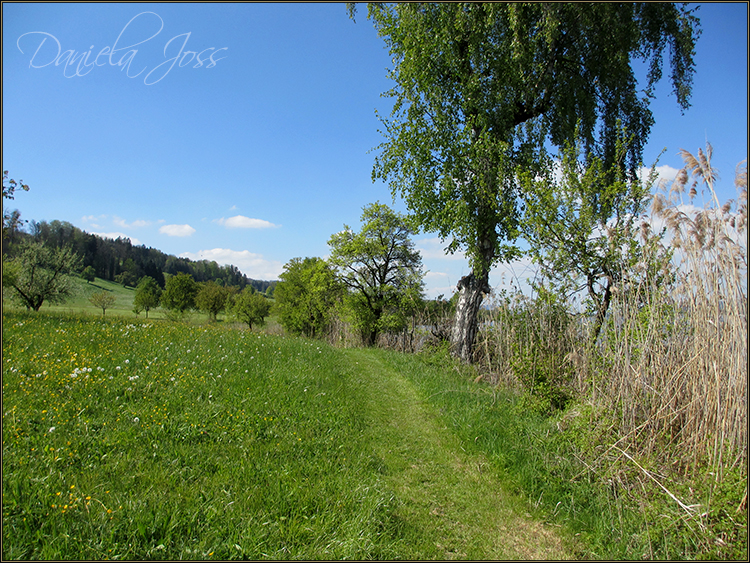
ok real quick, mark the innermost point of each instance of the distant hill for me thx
(121, 262)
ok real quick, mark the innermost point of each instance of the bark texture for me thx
(465, 325)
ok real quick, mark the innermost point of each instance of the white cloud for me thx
(134, 225)
(91, 218)
(433, 249)
(114, 236)
(515, 273)
(242, 222)
(665, 174)
(177, 230)
(438, 283)
(253, 265)
(446, 291)
(431, 275)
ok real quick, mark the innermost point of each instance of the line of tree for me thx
(373, 280)
(182, 294)
(118, 260)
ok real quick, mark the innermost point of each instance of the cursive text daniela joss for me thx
(81, 63)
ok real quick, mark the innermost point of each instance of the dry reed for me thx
(672, 358)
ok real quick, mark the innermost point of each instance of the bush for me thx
(251, 307)
(531, 342)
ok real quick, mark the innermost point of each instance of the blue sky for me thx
(242, 133)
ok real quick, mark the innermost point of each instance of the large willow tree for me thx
(480, 89)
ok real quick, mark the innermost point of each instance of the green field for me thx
(161, 440)
(127, 439)
(79, 303)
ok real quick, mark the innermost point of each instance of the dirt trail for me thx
(454, 498)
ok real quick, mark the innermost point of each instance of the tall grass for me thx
(677, 350)
(663, 392)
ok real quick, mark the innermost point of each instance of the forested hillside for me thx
(121, 261)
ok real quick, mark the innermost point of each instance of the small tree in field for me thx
(211, 298)
(179, 293)
(89, 274)
(43, 274)
(251, 307)
(583, 227)
(306, 296)
(126, 279)
(103, 299)
(147, 295)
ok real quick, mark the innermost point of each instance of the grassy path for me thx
(172, 441)
(451, 503)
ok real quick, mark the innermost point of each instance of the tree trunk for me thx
(370, 337)
(465, 323)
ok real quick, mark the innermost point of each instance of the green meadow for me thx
(132, 439)
(123, 306)
(79, 303)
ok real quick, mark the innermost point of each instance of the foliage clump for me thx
(211, 298)
(251, 307)
(103, 300)
(307, 297)
(147, 295)
(179, 293)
